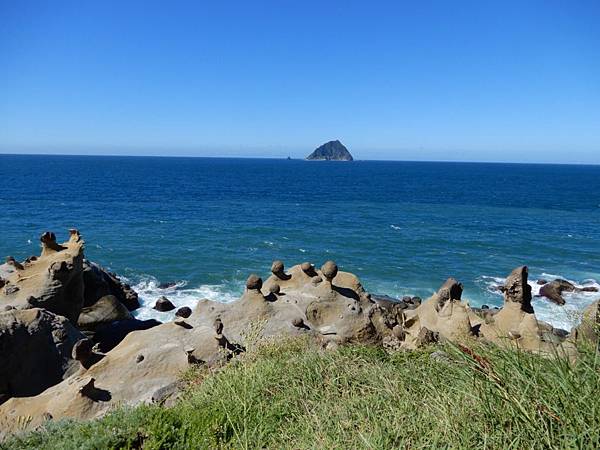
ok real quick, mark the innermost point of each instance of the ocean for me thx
(402, 227)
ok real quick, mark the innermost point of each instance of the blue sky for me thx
(424, 80)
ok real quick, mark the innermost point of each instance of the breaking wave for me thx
(566, 316)
(149, 290)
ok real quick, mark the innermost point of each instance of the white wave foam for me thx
(395, 227)
(566, 316)
(180, 295)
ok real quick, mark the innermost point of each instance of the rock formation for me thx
(53, 281)
(554, 290)
(331, 151)
(326, 304)
(99, 282)
(35, 351)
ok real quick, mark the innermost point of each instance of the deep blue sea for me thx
(402, 227)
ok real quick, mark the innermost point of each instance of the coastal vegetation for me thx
(290, 393)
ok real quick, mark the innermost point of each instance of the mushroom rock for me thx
(308, 269)
(11, 261)
(53, 281)
(329, 270)
(36, 351)
(278, 270)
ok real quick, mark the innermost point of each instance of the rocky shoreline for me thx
(71, 348)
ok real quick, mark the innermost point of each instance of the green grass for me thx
(293, 395)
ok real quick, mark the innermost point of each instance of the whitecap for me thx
(302, 250)
(564, 316)
(395, 227)
(179, 294)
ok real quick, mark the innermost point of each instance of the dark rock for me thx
(541, 282)
(98, 283)
(35, 351)
(331, 151)
(107, 309)
(164, 304)
(553, 291)
(308, 269)
(184, 312)
(109, 335)
(167, 285)
(278, 270)
(275, 289)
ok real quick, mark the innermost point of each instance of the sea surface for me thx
(402, 227)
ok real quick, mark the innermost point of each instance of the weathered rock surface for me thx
(99, 283)
(327, 304)
(331, 151)
(35, 351)
(589, 329)
(106, 310)
(53, 281)
(137, 370)
(516, 323)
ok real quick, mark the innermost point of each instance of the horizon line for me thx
(286, 158)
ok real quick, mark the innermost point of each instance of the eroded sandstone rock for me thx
(35, 351)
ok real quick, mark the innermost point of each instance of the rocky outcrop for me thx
(326, 304)
(53, 281)
(106, 310)
(35, 351)
(554, 290)
(331, 151)
(516, 324)
(99, 283)
(589, 329)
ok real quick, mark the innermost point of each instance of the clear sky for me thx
(421, 80)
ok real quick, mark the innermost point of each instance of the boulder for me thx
(107, 309)
(164, 304)
(184, 311)
(553, 291)
(35, 351)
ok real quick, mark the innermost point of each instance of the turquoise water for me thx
(402, 227)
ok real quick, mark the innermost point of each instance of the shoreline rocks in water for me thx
(554, 290)
(327, 304)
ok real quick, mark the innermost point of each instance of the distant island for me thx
(331, 151)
